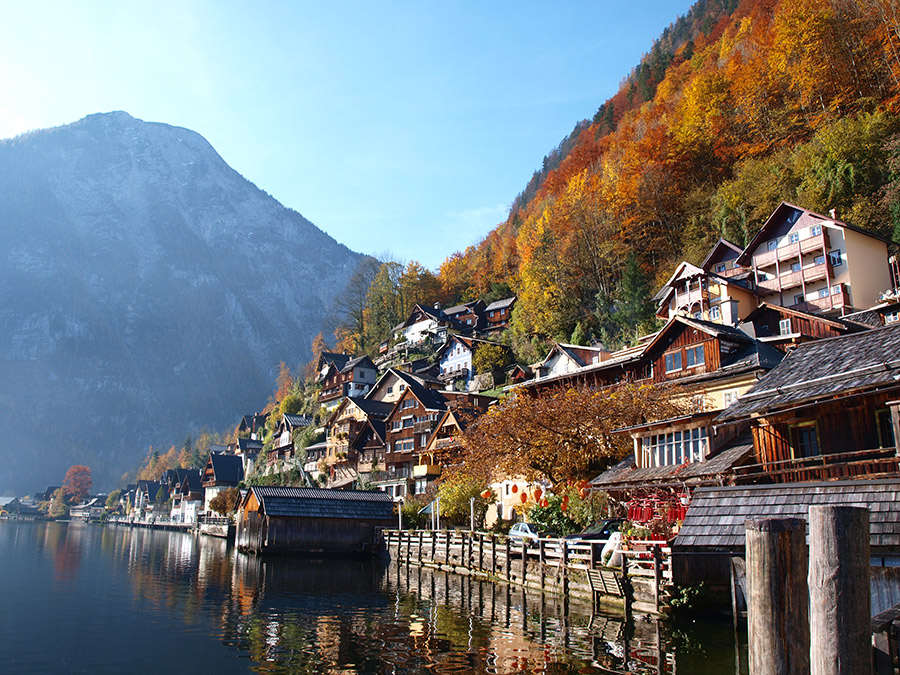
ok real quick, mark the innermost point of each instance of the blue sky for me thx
(402, 128)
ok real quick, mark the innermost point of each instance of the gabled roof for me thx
(373, 409)
(571, 353)
(430, 398)
(359, 362)
(469, 343)
(776, 219)
(500, 304)
(713, 329)
(334, 358)
(226, 468)
(722, 250)
(470, 306)
(378, 428)
(716, 516)
(405, 377)
(824, 369)
(249, 445)
(296, 502)
(297, 421)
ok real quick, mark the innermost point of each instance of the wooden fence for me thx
(566, 567)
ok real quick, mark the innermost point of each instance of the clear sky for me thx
(397, 127)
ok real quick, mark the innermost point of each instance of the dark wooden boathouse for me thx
(312, 520)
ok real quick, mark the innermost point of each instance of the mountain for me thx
(147, 290)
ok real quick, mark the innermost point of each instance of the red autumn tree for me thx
(78, 483)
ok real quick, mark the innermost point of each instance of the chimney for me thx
(833, 214)
(437, 305)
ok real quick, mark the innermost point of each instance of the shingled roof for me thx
(294, 502)
(715, 519)
(823, 369)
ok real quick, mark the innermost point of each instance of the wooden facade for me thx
(312, 521)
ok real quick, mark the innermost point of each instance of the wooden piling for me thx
(778, 612)
(840, 610)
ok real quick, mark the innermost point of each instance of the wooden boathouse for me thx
(312, 520)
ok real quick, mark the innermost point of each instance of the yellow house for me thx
(708, 296)
(814, 263)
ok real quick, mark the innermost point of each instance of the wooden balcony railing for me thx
(859, 464)
(790, 251)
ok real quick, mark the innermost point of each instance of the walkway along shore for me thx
(209, 525)
(558, 566)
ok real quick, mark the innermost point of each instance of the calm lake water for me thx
(93, 599)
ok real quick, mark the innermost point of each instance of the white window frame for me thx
(784, 327)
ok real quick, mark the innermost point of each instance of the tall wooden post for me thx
(840, 617)
(524, 560)
(778, 603)
(508, 556)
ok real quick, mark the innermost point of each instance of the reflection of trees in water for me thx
(295, 615)
(63, 541)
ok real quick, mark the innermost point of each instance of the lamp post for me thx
(399, 501)
(471, 514)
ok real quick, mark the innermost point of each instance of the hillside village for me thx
(785, 355)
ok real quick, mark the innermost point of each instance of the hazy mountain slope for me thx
(146, 288)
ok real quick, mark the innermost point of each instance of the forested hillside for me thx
(737, 107)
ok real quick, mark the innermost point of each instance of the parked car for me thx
(529, 532)
(599, 531)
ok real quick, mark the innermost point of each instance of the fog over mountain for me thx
(146, 290)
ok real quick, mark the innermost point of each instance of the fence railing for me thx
(554, 565)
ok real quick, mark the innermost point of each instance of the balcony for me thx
(839, 297)
(444, 443)
(462, 373)
(785, 252)
(426, 470)
(424, 427)
(807, 275)
(877, 463)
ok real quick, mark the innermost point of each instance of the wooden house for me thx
(826, 411)
(350, 377)
(468, 316)
(696, 292)
(221, 472)
(283, 442)
(253, 425)
(312, 520)
(187, 502)
(787, 327)
(444, 447)
(497, 315)
(394, 382)
(817, 263)
(345, 423)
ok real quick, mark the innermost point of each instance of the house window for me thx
(784, 327)
(491, 314)
(694, 356)
(673, 362)
(885, 427)
(834, 257)
(772, 245)
(730, 397)
(715, 313)
(395, 426)
(421, 485)
(674, 448)
(815, 230)
(798, 299)
(794, 237)
(407, 422)
(468, 322)
(408, 403)
(720, 267)
(423, 441)
(819, 260)
(804, 442)
(891, 317)
(796, 267)
(823, 292)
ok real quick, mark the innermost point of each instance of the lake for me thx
(111, 599)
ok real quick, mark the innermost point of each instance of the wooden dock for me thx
(558, 566)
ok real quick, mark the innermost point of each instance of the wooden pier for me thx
(558, 566)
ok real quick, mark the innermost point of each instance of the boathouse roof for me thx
(715, 519)
(299, 502)
(823, 369)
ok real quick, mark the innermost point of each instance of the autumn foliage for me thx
(738, 106)
(559, 434)
(78, 483)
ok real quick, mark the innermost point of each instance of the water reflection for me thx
(294, 615)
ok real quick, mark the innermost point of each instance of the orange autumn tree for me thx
(78, 483)
(560, 434)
